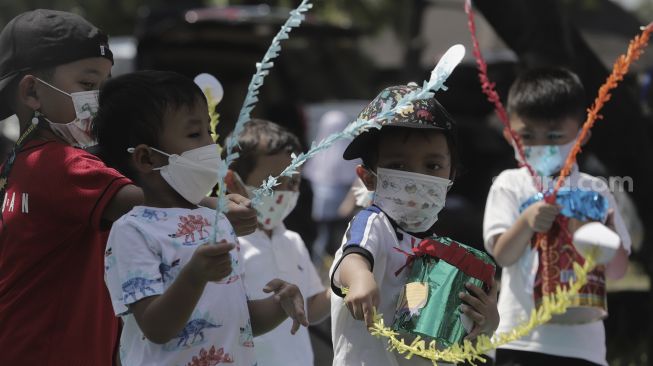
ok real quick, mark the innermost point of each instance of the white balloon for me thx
(598, 240)
(207, 81)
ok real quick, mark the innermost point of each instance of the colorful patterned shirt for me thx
(146, 250)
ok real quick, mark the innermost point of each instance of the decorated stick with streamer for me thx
(471, 352)
(439, 75)
(548, 244)
(620, 68)
(214, 92)
(262, 69)
(493, 97)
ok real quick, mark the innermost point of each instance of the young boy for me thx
(58, 200)
(181, 296)
(411, 159)
(273, 250)
(546, 108)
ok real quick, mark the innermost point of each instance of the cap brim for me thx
(5, 109)
(361, 143)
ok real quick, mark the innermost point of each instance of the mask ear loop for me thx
(132, 149)
(449, 185)
(373, 193)
(370, 171)
(53, 87)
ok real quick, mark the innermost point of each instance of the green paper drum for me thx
(429, 306)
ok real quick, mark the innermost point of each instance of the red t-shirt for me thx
(54, 306)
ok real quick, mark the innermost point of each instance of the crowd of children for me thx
(120, 257)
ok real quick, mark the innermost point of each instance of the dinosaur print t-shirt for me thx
(146, 250)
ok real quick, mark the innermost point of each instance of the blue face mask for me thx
(546, 160)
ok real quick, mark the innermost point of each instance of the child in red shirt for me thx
(58, 199)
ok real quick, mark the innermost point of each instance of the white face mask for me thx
(194, 173)
(362, 196)
(546, 160)
(78, 132)
(275, 208)
(412, 200)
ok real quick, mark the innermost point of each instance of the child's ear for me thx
(235, 184)
(367, 177)
(27, 93)
(142, 159)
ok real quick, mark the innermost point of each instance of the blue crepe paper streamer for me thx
(580, 204)
(436, 82)
(262, 69)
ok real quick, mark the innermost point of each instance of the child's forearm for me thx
(319, 307)
(510, 245)
(161, 318)
(353, 266)
(265, 314)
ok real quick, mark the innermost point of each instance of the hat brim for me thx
(359, 146)
(5, 108)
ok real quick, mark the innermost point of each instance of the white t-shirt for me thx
(586, 341)
(283, 256)
(372, 233)
(146, 250)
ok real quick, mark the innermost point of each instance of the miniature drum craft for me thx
(557, 254)
(429, 306)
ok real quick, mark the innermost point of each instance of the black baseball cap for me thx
(46, 38)
(420, 113)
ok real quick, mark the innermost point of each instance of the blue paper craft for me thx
(262, 69)
(580, 204)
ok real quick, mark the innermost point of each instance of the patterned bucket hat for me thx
(422, 113)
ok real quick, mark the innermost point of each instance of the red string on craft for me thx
(489, 90)
(452, 253)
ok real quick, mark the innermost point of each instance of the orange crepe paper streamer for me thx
(620, 68)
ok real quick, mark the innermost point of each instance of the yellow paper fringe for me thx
(470, 352)
(215, 116)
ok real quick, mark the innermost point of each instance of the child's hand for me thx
(241, 215)
(363, 297)
(291, 301)
(540, 216)
(211, 262)
(482, 309)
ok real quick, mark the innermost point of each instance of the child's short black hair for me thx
(131, 112)
(370, 157)
(260, 138)
(547, 94)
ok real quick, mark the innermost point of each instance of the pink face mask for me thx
(78, 132)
